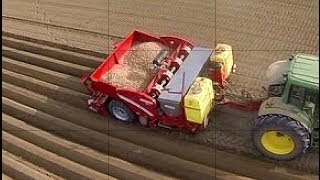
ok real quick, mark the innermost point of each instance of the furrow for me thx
(57, 45)
(54, 91)
(46, 62)
(75, 152)
(43, 74)
(45, 50)
(203, 154)
(43, 158)
(14, 167)
(112, 146)
(49, 85)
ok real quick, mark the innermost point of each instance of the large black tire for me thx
(280, 127)
(119, 111)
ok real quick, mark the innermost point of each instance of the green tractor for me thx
(288, 121)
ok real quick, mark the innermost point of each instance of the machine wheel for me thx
(120, 111)
(280, 137)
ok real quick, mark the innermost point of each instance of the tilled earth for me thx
(48, 133)
(47, 130)
(37, 78)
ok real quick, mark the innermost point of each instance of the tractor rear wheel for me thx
(119, 111)
(280, 137)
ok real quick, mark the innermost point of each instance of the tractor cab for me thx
(305, 99)
(302, 85)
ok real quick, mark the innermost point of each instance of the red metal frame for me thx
(252, 105)
(141, 103)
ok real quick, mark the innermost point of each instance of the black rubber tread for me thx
(118, 103)
(286, 125)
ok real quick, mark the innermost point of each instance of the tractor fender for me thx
(275, 73)
(275, 106)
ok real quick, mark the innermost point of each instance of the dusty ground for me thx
(264, 36)
(259, 31)
(60, 157)
(39, 94)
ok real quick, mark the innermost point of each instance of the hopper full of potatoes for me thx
(136, 70)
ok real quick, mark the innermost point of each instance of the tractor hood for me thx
(276, 72)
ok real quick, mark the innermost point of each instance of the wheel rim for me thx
(120, 113)
(277, 142)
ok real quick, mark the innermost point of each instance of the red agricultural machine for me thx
(166, 101)
(185, 82)
(159, 104)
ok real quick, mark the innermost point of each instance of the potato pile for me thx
(136, 70)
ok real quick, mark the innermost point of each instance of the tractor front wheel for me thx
(280, 137)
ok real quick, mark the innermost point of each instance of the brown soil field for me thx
(46, 96)
(41, 79)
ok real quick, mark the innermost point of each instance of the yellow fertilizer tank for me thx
(223, 55)
(198, 100)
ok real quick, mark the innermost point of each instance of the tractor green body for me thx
(300, 97)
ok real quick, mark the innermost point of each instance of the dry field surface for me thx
(47, 46)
